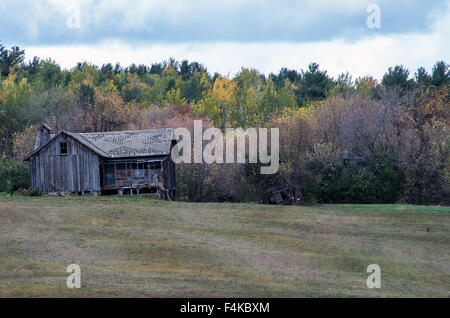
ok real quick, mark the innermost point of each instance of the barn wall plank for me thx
(77, 171)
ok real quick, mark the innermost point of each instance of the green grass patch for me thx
(138, 247)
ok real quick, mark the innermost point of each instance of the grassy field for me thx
(137, 247)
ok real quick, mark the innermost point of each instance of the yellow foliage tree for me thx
(218, 104)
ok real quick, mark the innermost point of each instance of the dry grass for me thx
(136, 247)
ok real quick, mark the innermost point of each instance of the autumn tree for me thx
(218, 104)
(108, 113)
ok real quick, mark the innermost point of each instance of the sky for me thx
(358, 36)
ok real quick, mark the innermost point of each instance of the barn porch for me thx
(134, 177)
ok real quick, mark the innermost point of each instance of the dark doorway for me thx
(110, 171)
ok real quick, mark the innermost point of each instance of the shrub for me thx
(377, 182)
(206, 183)
(14, 175)
(28, 192)
(192, 182)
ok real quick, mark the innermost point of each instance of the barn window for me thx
(63, 148)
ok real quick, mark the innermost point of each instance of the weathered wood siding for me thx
(78, 171)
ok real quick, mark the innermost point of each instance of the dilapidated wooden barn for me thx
(118, 162)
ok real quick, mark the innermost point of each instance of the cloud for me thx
(366, 57)
(225, 36)
(251, 21)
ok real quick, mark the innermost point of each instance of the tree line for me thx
(398, 125)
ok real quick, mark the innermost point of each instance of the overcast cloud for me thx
(225, 35)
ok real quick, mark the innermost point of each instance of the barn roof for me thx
(122, 144)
